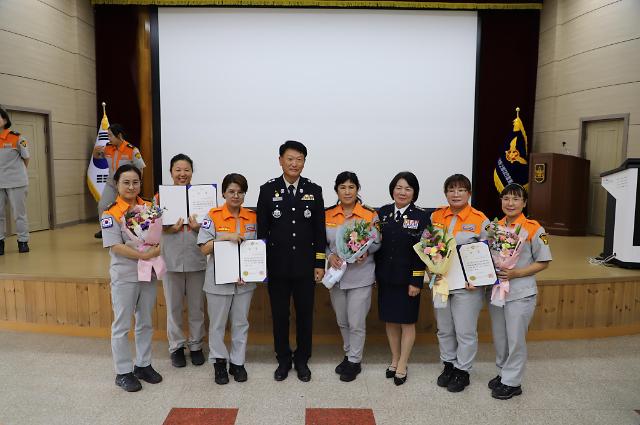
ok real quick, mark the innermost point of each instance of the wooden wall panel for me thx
(74, 208)
(66, 173)
(73, 141)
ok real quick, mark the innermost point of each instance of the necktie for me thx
(398, 215)
(292, 190)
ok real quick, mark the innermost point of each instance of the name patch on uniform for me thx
(410, 224)
(222, 229)
(331, 224)
(307, 197)
(469, 227)
(277, 198)
(250, 227)
(106, 222)
(544, 238)
(206, 223)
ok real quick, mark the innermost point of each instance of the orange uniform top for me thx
(221, 220)
(469, 221)
(334, 216)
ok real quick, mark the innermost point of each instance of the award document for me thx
(247, 260)
(477, 264)
(184, 201)
(455, 275)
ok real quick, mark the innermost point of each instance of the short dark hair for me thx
(236, 178)
(124, 168)
(344, 177)
(514, 189)
(180, 157)
(5, 116)
(457, 180)
(410, 178)
(295, 145)
(118, 130)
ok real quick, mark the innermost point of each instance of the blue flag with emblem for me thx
(513, 163)
(98, 170)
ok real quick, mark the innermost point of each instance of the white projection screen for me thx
(370, 91)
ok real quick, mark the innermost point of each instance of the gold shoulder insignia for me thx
(368, 208)
(544, 238)
(15, 133)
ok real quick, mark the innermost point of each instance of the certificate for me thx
(247, 260)
(455, 275)
(253, 260)
(184, 201)
(477, 264)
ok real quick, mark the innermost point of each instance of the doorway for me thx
(604, 144)
(33, 127)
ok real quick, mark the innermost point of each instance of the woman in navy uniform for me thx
(129, 296)
(14, 181)
(185, 277)
(509, 323)
(291, 219)
(399, 270)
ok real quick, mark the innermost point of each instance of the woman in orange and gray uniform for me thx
(351, 297)
(509, 323)
(458, 321)
(231, 222)
(14, 158)
(117, 152)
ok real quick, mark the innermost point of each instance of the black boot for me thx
(445, 376)
(350, 371)
(23, 247)
(238, 372)
(2, 247)
(342, 365)
(495, 383)
(147, 374)
(178, 359)
(128, 382)
(221, 376)
(459, 381)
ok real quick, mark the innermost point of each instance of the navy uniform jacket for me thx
(293, 228)
(396, 261)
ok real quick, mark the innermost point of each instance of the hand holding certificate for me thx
(185, 201)
(234, 261)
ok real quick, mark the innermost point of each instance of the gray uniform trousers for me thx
(129, 298)
(176, 286)
(236, 308)
(509, 326)
(107, 198)
(351, 307)
(17, 197)
(458, 328)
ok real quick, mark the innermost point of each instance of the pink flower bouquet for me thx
(505, 246)
(143, 225)
(434, 249)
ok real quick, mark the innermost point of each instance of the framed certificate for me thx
(183, 201)
(247, 260)
(477, 264)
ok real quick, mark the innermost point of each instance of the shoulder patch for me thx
(368, 208)
(544, 238)
(23, 143)
(137, 155)
(206, 223)
(106, 222)
(112, 205)
(15, 133)
(129, 145)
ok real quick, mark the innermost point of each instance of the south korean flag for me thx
(106, 222)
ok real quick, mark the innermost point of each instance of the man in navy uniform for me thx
(291, 219)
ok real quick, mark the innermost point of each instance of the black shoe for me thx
(459, 381)
(98, 234)
(220, 375)
(282, 371)
(2, 247)
(197, 357)
(445, 376)
(238, 372)
(390, 372)
(400, 379)
(147, 374)
(350, 371)
(128, 382)
(304, 373)
(23, 247)
(495, 383)
(505, 392)
(341, 366)
(177, 358)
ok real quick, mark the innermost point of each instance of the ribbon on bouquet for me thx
(499, 293)
(145, 267)
(439, 290)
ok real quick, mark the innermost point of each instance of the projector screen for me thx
(370, 91)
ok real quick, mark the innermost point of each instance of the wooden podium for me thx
(558, 193)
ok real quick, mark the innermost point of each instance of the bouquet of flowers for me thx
(353, 239)
(143, 225)
(505, 246)
(434, 249)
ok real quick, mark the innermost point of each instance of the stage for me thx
(62, 286)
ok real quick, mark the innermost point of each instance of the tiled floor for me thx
(46, 379)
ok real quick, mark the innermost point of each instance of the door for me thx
(33, 128)
(604, 148)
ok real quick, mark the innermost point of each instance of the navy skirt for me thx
(396, 306)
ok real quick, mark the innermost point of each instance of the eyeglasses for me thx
(135, 183)
(512, 199)
(457, 191)
(234, 194)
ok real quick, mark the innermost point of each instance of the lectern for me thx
(558, 192)
(622, 221)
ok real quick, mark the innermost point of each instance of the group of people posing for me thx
(301, 242)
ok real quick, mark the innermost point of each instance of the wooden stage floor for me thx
(64, 283)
